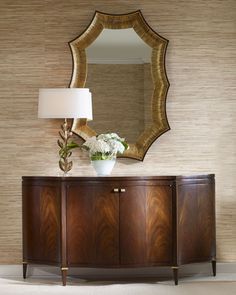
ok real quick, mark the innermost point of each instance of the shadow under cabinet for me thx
(118, 222)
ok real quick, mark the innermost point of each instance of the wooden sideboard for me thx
(118, 222)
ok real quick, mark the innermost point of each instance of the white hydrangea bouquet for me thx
(105, 146)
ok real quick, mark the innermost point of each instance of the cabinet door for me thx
(133, 225)
(159, 224)
(146, 225)
(41, 223)
(92, 225)
(196, 222)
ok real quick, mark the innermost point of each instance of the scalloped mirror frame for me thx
(158, 44)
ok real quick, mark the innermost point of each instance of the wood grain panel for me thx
(41, 206)
(50, 224)
(31, 222)
(133, 225)
(92, 225)
(201, 66)
(159, 225)
(195, 223)
(80, 239)
(106, 226)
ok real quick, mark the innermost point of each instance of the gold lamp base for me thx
(65, 133)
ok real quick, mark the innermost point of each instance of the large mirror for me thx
(122, 60)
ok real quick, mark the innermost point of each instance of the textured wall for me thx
(201, 66)
(123, 106)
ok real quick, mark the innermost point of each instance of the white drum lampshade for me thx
(65, 103)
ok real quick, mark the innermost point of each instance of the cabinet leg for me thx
(175, 274)
(24, 264)
(63, 275)
(213, 262)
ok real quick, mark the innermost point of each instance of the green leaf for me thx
(99, 156)
(125, 144)
(84, 147)
(61, 151)
(72, 145)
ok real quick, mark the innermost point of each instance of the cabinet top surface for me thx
(118, 178)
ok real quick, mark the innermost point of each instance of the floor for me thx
(222, 284)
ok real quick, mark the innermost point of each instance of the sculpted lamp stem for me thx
(65, 103)
(65, 134)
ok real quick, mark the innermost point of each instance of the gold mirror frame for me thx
(158, 44)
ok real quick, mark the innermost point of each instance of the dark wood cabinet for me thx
(118, 221)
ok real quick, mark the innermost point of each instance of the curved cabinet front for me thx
(118, 221)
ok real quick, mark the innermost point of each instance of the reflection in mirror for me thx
(119, 76)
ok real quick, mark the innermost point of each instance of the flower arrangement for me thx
(105, 146)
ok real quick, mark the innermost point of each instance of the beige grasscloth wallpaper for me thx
(201, 105)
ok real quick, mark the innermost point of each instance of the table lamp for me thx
(65, 103)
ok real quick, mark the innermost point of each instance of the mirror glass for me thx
(122, 93)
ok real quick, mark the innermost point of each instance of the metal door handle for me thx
(122, 190)
(115, 190)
